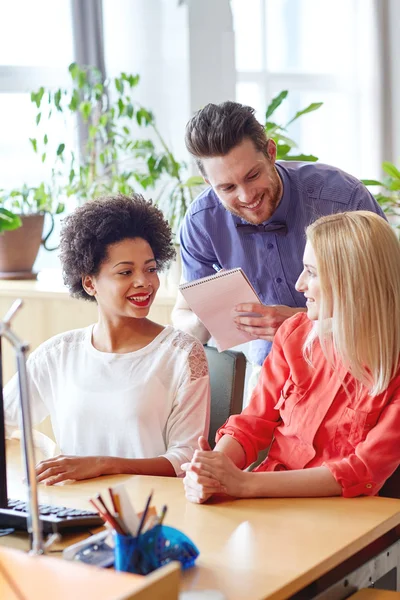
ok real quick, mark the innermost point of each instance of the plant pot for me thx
(19, 248)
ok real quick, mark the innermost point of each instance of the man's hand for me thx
(61, 468)
(268, 319)
(211, 472)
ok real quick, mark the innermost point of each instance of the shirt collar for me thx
(283, 207)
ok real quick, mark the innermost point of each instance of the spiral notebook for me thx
(213, 300)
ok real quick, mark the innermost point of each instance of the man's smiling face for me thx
(246, 181)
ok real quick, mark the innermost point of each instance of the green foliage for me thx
(124, 151)
(388, 196)
(26, 200)
(278, 133)
(116, 158)
(8, 221)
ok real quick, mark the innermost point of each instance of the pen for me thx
(100, 499)
(142, 520)
(107, 517)
(115, 508)
(217, 267)
(116, 514)
(163, 513)
(118, 503)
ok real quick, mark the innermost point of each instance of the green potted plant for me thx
(22, 215)
(285, 146)
(389, 195)
(114, 158)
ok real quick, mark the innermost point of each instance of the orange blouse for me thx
(312, 421)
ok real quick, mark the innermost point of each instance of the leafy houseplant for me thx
(115, 156)
(25, 201)
(285, 145)
(389, 196)
(22, 213)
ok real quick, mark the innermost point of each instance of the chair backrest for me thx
(391, 487)
(227, 376)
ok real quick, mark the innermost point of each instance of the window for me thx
(36, 47)
(35, 33)
(319, 51)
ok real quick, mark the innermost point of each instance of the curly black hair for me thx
(88, 232)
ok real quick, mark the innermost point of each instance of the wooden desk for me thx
(48, 310)
(253, 549)
(372, 594)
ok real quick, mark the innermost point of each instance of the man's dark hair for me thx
(217, 128)
(89, 231)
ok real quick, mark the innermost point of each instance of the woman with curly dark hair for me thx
(125, 395)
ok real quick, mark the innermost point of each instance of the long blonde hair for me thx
(358, 264)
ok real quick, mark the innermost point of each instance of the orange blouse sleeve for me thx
(365, 471)
(254, 427)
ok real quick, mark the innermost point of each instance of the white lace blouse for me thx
(143, 404)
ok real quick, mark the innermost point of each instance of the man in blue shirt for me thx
(254, 216)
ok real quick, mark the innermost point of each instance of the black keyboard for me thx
(54, 518)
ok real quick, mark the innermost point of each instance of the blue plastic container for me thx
(153, 549)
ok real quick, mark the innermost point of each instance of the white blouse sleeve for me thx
(190, 414)
(12, 407)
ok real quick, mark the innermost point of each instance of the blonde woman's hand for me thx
(61, 468)
(209, 473)
(198, 489)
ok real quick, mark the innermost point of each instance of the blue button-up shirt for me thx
(272, 262)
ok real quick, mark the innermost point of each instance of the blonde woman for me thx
(328, 399)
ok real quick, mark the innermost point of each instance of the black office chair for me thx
(227, 376)
(391, 487)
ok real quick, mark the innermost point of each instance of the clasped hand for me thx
(266, 320)
(63, 468)
(211, 472)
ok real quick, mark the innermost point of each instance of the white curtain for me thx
(88, 37)
(388, 19)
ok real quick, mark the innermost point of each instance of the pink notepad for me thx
(213, 300)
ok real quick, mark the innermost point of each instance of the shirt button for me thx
(269, 246)
(368, 485)
(278, 280)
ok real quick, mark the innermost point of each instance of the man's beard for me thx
(273, 202)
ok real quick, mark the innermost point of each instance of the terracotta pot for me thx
(19, 248)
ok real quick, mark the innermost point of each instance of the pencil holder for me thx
(153, 549)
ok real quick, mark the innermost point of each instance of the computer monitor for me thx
(3, 471)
